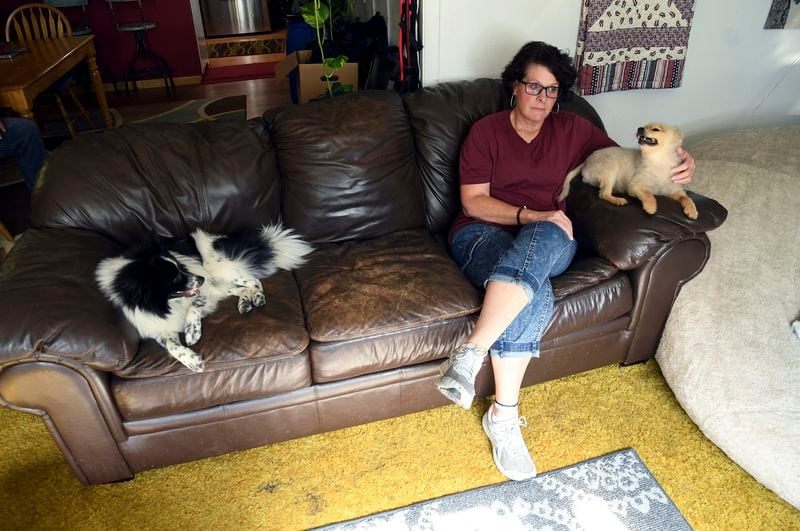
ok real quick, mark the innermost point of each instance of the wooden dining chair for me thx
(78, 28)
(33, 22)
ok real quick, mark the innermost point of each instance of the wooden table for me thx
(46, 60)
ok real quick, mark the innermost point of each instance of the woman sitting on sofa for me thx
(513, 236)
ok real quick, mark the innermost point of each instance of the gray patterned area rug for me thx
(612, 492)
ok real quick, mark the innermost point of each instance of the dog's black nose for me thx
(640, 131)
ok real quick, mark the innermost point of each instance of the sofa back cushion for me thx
(441, 117)
(348, 167)
(161, 179)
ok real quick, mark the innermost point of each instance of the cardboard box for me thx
(310, 78)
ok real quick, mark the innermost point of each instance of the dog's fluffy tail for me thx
(571, 175)
(289, 249)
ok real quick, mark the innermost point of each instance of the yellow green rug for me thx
(365, 469)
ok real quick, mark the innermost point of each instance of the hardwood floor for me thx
(262, 94)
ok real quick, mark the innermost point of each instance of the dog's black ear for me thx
(185, 246)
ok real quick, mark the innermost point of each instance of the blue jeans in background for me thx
(528, 259)
(22, 140)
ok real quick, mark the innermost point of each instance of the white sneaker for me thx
(508, 447)
(457, 374)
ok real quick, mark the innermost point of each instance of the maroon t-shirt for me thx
(521, 173)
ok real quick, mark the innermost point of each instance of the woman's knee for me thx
(544, 230)
(477, 248)
(543, 241)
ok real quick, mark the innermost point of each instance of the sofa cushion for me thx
(348, 167)
(161, 179)
(440, 118)
(254, 355)
(597, 303)
(358, 324)
(50, 307)
(582, 273)
(383, 303)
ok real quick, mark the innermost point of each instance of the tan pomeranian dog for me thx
(642, 173)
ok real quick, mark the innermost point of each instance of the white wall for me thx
(736, 73)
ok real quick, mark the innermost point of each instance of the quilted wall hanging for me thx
(632, 44)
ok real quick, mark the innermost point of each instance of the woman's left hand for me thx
(683, 172)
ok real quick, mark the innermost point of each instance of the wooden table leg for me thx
(4, 233)
(22, 104)
(97, 82)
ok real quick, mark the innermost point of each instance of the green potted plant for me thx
(322, 19)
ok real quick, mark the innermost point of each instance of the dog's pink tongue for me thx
(191, 293)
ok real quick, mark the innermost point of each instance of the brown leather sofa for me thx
(355, 335)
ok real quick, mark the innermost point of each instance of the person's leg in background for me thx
(20, 138)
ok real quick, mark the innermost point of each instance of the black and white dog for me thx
(164, 291)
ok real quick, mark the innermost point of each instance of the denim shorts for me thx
(528, 259)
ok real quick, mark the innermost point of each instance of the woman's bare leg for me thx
(501, 305)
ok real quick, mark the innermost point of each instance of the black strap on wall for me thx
(410, 45)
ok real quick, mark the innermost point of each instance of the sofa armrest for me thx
(626, 235)
(50, 307)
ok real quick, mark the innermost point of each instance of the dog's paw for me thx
(245, 304)
(691, 212)
(258, 299)
(614, 200)
(192, 336)
(192, 331)
(649, 207)
(189, 358)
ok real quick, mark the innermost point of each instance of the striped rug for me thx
(187, 111)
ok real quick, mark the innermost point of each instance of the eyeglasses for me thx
(534, 89)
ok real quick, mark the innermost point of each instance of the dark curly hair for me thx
(541, 53)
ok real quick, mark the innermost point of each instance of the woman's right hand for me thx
(477, 202)
(553, 216)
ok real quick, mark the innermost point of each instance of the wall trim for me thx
(153, 83)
